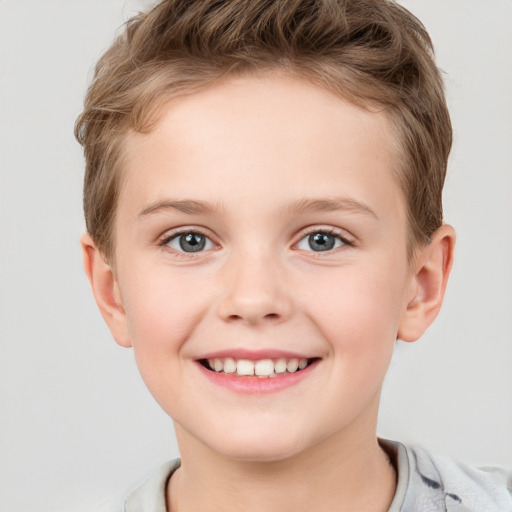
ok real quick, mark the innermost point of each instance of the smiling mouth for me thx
(262, 368)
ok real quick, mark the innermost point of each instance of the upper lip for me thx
(255, 355)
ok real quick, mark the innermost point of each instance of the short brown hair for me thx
(370, 52)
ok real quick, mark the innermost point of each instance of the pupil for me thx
(321, 241)
(192, 242)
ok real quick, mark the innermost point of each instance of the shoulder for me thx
(436, 482)
(149, 496)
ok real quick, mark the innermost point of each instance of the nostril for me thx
(269, 316)
(253, 306)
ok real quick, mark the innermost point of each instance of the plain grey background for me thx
(77, 427)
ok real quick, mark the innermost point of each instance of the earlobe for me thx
(432, 269)
(105, 290)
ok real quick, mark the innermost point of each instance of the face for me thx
(261, 226)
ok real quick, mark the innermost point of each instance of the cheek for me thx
(359, 319)
(162, 309)
(358, 309)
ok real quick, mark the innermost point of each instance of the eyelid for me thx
(172, 234)
(163, 240)
(342, 235)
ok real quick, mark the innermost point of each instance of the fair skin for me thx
(290, 195)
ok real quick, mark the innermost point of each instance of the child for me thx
(263, 205)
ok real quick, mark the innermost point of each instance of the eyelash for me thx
(325, 231)
(164, 242)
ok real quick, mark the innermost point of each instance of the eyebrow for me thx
(192, 207)
(330, 205)
(188, 206)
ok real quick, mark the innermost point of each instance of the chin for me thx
(257, 454)
(259, 447)
(249, 438)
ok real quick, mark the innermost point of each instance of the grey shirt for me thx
(426, 483)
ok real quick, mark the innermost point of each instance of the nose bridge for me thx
(254, 287)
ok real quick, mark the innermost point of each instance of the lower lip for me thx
(256, 385)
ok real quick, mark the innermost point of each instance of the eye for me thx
(320, 241)
(191, 241)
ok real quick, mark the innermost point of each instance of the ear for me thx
(106, 290)
(431, 271)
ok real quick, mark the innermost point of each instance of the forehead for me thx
(245, 136)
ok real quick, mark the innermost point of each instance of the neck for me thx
(347, 471)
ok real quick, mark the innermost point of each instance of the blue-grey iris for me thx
(192, 242)
(321, 241)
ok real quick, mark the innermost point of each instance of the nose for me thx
(254, 291)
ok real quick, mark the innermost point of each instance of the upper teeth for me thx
(260, 368)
